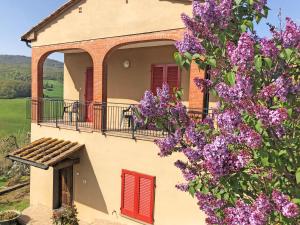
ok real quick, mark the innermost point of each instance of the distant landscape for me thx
(15, 87)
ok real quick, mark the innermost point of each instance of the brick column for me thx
(36, 85)
(196, 97)
(100, 91)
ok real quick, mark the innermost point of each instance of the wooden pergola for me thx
(47, 152)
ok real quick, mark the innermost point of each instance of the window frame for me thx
(165, 74)
(135, 214)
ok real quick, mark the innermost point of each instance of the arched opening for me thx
(133, 68)
(66, 80)
(53, 76)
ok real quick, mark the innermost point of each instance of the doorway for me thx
(65, 177)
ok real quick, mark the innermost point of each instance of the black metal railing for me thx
(115, 118)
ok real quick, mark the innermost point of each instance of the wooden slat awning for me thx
(45, 152)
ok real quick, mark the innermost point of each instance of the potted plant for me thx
(67, 215)
(9, 217)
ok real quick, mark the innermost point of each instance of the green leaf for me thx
(212, 62)
(243, 28)
(249, 24)
(251, 2)
(188, 56)
(231, 78)
(258, 63)
(178, 59)
(238, 2)
(290, 111)
(268, 62)
(298, 175)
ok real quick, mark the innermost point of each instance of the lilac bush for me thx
(242, 161)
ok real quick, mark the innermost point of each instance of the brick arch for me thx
(39, 56)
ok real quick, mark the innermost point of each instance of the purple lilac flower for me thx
(279, 131)
(209, 204)
(238, 161)
(291, 210)
(243, 55)
(268, 48)
(192, 25)
(271, 117)
(195, 137)
(182, 187)
(179, 112)
(180, 165)
(249, 137)
(229, 119)
(240, 91)
(193, 155)
(238, 215)
(244, 214)
(190, 44)
(259, 5)
(282, 86)
(291, 35)
(148, 105)
(216, 156)
(213, 14)
(163, 95)
(202, 84)
(167, 145)
(284, 205)
(225, 9)
(278, 116)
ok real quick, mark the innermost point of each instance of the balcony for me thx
(116, 119)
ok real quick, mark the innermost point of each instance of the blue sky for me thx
(18, 16)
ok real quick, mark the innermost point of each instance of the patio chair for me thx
(71, 109)
(127, 115)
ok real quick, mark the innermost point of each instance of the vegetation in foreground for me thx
(242, 162)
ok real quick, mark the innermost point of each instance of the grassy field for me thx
(13, 112)
(13, 117)
(56, 92)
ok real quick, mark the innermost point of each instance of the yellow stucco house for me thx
(85, 148)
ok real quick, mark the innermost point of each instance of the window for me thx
(137, 200)
(169, 74)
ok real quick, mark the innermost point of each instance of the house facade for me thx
(113, 51)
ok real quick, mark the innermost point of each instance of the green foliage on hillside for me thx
(15, 77)
(14, 89)
(19, 68)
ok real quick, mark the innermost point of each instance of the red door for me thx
(89, 94)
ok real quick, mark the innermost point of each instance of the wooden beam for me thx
(66, 163)
(28, 162)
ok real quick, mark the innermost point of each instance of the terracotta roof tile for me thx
(45, 152)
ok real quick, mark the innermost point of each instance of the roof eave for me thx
(31, 34)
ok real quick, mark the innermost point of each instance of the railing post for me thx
(132, 127)
(76, 120)
(56, 112)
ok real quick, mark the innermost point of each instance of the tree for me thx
(243, 160)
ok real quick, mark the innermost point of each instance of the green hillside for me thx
(14, 67)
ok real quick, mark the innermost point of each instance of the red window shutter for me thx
(146, 198)
(173, 78)
(128, 193)
(157, 77)
(137, 196)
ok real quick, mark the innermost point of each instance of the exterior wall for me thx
(75, 68)
(41, 187)
(102, 19)
(124, 85)
(97, 179)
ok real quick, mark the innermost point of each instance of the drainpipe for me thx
(28, 43)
